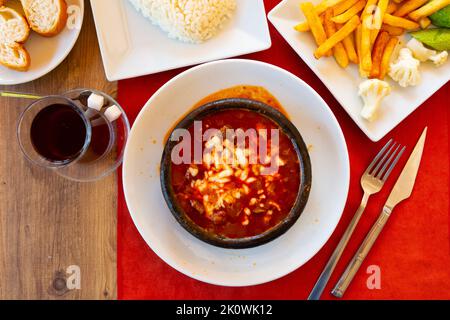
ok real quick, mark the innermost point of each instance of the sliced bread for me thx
(14, 31)
(46, 17)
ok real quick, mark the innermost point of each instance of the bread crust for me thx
(23, 53)
(14, 44)
(24, 23)
(56, 28)
(28, 30)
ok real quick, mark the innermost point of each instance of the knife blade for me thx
(403, 187)
(402, 190)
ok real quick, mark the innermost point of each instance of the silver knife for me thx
(401, 191)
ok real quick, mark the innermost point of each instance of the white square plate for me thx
(343, 83)
(131, 46)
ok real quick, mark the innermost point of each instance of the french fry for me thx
(343, 6)
(320, 8)
(409, 6)
(358, 33)
(428, 9)
(386, 59)
(366, 55)
(392, 7)
(347, 15)
(324, 5)
(349, 45)
(314, 22)
(338, 51)
(400, 22)
(358, 41)
(398, 1)
(424, 22)
(379, 13)
(393, 31)
(369, 8)
(377, 53)
(340, 35)
(328, 25)
(367, 20)
(378, 19)
(329, 28)
(304, 26)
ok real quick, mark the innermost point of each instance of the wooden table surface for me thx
(48, 223)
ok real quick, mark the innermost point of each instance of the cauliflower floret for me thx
(421, 53)
(372, 91)
(439, 58)
(406, 69)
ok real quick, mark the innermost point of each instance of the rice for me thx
(192, 21)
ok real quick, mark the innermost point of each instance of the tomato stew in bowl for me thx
(236, 173)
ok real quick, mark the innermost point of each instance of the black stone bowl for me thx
(305, 174)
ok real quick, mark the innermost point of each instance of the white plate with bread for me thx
(36, 36)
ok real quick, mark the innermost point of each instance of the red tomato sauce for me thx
(237, 201)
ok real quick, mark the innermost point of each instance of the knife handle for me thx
(355, 263)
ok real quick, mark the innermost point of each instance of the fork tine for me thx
(388, 162)
(386, 155)
(378, 156)
(393, 164)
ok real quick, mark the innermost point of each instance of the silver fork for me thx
(372, 181)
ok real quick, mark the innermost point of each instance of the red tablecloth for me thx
(413, 251)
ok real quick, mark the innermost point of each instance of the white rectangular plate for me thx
(131, 46)
(343, 83)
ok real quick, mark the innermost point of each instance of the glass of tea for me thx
(63, 134)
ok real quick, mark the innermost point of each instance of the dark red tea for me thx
(100, 139)
(58, 133)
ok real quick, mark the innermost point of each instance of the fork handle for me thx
(355, 263)
(332, 262)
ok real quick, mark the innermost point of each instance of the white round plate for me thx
(194, 258)
(47, 53)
